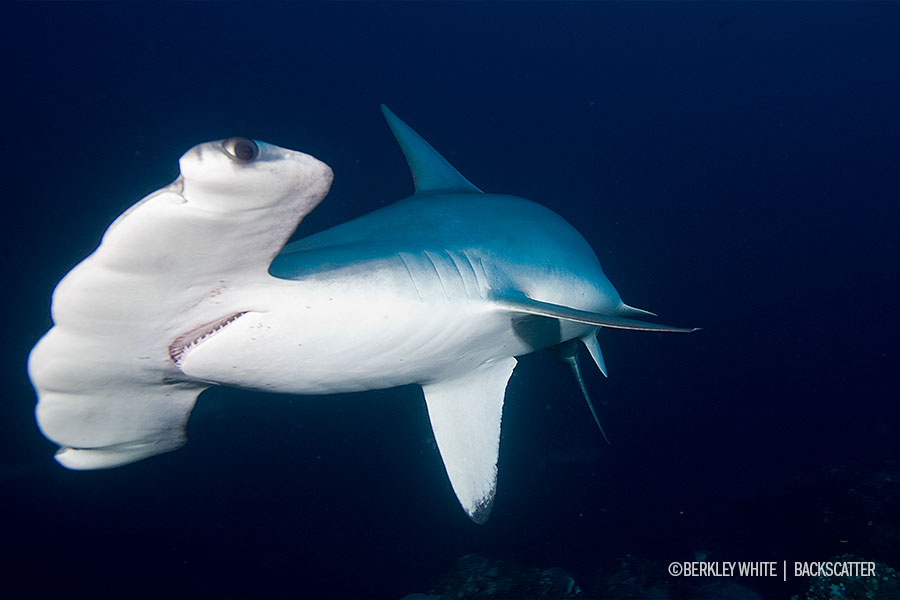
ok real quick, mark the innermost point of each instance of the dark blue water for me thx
(735, 166)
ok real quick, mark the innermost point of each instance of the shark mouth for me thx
(190, 340)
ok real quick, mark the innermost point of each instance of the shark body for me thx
(194, 286)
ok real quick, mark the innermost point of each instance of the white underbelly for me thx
(407, 318)
(344, 343)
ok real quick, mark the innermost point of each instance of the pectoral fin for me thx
(465, 415)
(522, 304)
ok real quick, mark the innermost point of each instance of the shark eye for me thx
(242, 149)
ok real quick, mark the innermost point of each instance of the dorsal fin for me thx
(629, 311)
(430, 171)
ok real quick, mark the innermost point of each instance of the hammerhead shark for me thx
(195, 285)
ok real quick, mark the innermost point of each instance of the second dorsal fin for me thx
(430, 171)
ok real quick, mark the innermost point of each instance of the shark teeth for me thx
(187, 342)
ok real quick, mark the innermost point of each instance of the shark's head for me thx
(171, 272)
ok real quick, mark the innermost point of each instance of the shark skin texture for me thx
(195, 286)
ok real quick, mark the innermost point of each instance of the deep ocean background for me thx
(735, 166)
